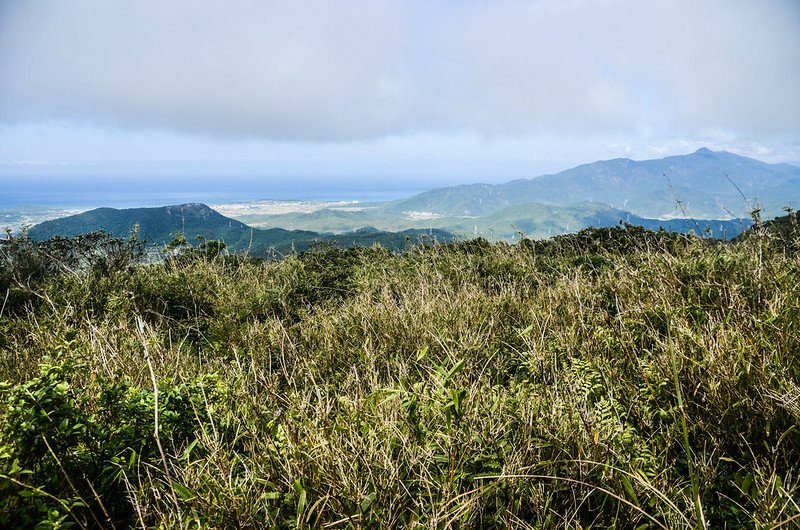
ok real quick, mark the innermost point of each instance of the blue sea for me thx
(130, 193)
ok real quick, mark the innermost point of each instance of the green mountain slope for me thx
(159, 226)
(539, 221)
(331, 220)
(535, 220)
(704, 184)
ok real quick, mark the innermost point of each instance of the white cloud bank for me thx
(318, 70)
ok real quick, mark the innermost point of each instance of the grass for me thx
(611, 379)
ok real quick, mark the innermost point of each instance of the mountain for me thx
(670, 192)
(704, 184)
(535, 220)
(542, 220)
(158, 226)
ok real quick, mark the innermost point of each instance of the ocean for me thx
(129, 193)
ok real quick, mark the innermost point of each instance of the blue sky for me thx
(392, 92)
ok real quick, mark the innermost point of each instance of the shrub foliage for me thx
(612, 378)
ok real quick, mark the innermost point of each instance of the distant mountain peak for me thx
(699, 182)
(189, 207)
(707, 153)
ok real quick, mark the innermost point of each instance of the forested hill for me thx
(160, 225)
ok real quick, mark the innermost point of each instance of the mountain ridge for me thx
(708, 184)
(160, 225)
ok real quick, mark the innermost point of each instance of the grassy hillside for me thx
(540, 221)
(614, 378)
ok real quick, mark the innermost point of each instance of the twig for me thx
(2, 309)
(155, 414)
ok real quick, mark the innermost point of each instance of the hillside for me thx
(534, 220)
(649, 188)
(541, 221)
(704, 188)
(158, 226)
(614, 378)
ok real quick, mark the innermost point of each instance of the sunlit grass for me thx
(610, 379)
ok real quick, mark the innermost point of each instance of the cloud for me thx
(317, 70)
(34, 163)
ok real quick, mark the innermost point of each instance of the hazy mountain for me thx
(704, 184)
(701, 186)
(535, 220)
(158, 226)
(542, 220)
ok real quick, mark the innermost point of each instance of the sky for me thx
(371, 93)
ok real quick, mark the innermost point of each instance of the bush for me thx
(612, 378)
(72, 452)
(25, 264)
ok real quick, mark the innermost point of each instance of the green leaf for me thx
(746, 483)
(183, 492)
(453, 371)
(629, 489)
(367, 502)
(187, 452)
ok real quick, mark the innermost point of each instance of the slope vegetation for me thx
(615, 378)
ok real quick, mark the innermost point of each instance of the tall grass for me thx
(615, 378)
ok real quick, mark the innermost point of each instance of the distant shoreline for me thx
(17, 216)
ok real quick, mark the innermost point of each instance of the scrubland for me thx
(615, 378)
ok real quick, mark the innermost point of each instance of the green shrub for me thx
(73, 451)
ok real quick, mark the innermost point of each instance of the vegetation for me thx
(158, 226)
(535, 220)
(687, 193)
(612, 378)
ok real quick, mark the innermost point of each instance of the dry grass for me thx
(633, 383)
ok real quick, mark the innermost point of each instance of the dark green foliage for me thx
(622, 239)
(783, 231)
(69, 449)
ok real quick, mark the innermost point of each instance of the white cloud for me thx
(318, 70)
(34, 163)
